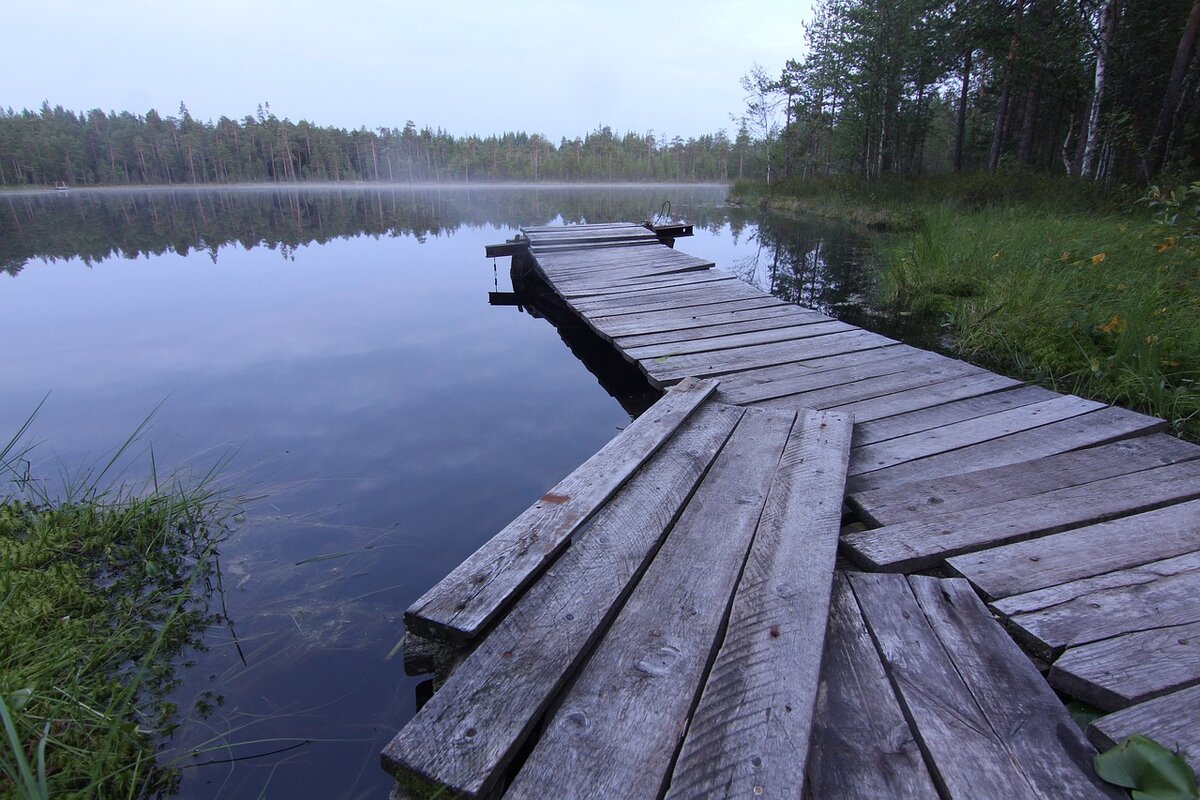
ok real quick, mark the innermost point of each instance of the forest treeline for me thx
(109, 148)
(1107, 90)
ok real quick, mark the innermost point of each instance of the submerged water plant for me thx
(103, 591)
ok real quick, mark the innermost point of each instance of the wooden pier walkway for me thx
(692, 640)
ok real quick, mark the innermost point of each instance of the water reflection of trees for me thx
(815, 263)
(97, 225)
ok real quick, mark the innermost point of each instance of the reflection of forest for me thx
(97, 225)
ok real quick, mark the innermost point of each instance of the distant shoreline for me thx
(327, 185)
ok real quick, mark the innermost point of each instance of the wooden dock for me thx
(668, 620)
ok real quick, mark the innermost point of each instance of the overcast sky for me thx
(556, 68)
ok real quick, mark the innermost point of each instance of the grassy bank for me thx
(1044, 280)
(102, 592)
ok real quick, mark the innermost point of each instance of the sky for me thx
(556, 68)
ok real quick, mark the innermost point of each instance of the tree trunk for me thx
(1006, 93)
(1170, 104)
(1029, 123)
(1108, 19)
(961, 131)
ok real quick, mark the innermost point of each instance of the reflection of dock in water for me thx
(671, 618)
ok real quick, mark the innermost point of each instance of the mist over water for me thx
(383, 419)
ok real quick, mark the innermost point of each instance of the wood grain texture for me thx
(619, 727)
(791, 317)
(862, 746)
(933, 396)
(467, 733)
(1083, 552)
(881, 455)
(1115, 673)
(875, 386)
(1145, 597)
(761, 383)
(1098, 427)
(923, 542)
(665, 371)
(988, 723)
(650, 322)
(749, 735)
(985, 487)
(737, 340)
(463, 603)
(1170, 721)
(950, 412)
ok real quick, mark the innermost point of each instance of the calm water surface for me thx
(381, 418)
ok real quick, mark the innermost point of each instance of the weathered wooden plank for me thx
(948, 413)
(862, 746)
(665, 371)
(642, 263)
(635, 285)
(663, 320)
(939, 394)
(676, 295)
(686, 298)
(761, 383)
(923, 542)
(750, 732)
(1098, 427)
(794, 316)
(737, 340)
(575, 247)
(1140, 598)
(891, 452)
(465, 736)
(668, 299)
(933, 371)
(957, 492)
(1124, 670)
(621, 722)
(1170, 721)
(989, 725)
(464, 602)
(597, 263)
(1084, 552)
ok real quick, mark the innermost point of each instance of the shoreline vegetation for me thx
(103, 593)
(1038, 277)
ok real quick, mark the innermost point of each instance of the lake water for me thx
(381, 419)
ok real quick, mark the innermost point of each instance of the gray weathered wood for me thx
(616, 289)
(1170, 721)
(1124, 670)
(667, 370)
(988, 723)
(943, 393)
(468, 732)
(1098, 427)
(954, 493)
(465, 601)
(760, 383)
(1084, 552)
(949, 413)
(621, 723)
(1140, 598)
(669, 300)
(671, 319)
(794, 316)
(891, 452)
(750, 732)
(668, 321)
(737, 340)
(923, 542)
(835, 396)
(862, 746)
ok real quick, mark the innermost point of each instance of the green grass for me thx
(102, 593)
(1103, 306)
(1045, 280)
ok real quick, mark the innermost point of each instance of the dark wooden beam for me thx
(506, 249)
